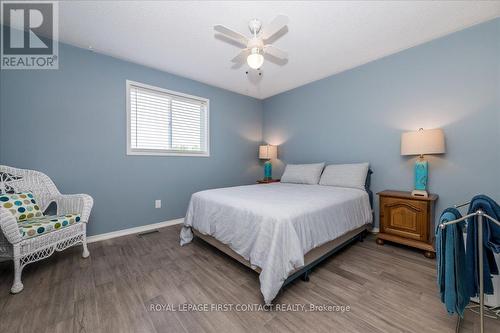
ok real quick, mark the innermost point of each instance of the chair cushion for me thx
(22, 205)
(39, 226)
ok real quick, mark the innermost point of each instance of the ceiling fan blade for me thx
(275, 52)
(241, 57)
(231, 34)
(276, 25)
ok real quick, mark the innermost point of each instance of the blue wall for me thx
(71, 124)
(358, 115)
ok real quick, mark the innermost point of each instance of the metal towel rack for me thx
(480, 219)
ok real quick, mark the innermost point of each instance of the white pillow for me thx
(345, 175)
(302, 173)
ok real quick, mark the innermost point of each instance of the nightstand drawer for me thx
(405, 218)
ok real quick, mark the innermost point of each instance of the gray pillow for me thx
(345, 175)
(302, 173)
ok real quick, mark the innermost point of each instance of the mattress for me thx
(274, 225)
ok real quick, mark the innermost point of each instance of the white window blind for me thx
(163, 122)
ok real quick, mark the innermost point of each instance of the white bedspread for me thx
(274, 225)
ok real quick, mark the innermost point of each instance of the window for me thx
(164, 122)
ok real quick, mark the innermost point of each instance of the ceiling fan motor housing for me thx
(255, 43)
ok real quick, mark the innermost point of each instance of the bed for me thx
(280, 230)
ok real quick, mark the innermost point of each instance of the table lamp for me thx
(268, 152)
(422, 142)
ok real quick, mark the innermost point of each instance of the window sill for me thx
(162, 153)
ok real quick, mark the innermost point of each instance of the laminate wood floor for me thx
(388, 288)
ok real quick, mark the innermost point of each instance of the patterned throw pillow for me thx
(22, 205)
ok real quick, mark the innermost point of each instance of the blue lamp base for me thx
(421, 174)
(268, 170)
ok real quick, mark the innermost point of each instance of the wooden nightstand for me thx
(407, 220)
(267, 181)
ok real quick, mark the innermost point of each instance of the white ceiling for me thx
(323, 38)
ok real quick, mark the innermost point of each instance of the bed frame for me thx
(311, 258)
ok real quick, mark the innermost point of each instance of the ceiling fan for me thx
(255, 46)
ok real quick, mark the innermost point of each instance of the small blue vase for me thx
(268, 170)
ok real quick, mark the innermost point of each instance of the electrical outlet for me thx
(157, 203)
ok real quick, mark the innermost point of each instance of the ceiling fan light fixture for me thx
(255, 59)
(255, 47)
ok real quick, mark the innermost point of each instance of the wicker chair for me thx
(24, 251)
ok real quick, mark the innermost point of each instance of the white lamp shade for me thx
(267, 152)
(423, 142)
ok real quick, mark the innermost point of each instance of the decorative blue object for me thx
(268, 170)
(421, 172)
(419, 143)
(268, 152)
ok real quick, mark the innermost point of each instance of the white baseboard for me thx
(135, 230)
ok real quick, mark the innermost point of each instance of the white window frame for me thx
(159, 152)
